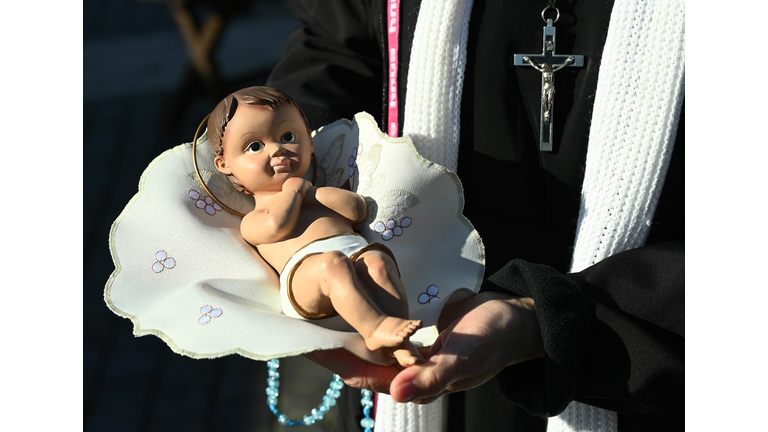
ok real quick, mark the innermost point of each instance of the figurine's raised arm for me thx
(277, 221)
(271, 224)
(260, 139)
(346, 203)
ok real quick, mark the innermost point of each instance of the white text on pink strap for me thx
(394, 46)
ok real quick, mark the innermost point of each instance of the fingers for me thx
(426, 381)
(354, 371)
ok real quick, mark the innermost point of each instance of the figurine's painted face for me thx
(263, 148)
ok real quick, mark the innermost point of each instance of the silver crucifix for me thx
(548, 63)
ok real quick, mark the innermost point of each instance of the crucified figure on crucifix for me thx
(547, 62)
(548, 86)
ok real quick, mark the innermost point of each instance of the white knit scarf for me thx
(634, 124)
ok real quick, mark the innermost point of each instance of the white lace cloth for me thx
(184, 273)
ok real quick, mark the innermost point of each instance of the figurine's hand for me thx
(355, 371)
(481, 336)
(297, 184)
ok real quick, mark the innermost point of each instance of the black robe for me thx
(622, 319)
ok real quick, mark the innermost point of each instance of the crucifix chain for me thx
(547, 63)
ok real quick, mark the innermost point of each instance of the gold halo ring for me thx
(197, 170)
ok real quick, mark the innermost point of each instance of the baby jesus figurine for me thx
(260, 139)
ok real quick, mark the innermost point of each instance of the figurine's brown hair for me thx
(225, 111)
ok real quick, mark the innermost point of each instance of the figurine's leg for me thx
(378, 271)
(326, 282)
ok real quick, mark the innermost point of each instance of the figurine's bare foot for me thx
(407, 355)
(392, 332)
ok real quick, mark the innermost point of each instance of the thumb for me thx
(427, 380)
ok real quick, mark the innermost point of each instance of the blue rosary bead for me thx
(329, 399)
(367, 423)
(367, 402)
(316, 414)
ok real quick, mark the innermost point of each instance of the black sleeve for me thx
(613, 334)
(332, 65)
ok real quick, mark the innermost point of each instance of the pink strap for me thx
(393, 122)
(394, 47)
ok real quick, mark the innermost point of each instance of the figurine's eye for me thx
(254, 147)
(289, 137)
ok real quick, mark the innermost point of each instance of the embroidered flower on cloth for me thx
(209, 313)
(391, 229)
(163, 261)
(207, 204)
(353, 159)
(430, 295)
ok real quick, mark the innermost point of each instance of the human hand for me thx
(355, 371)
(479, 337)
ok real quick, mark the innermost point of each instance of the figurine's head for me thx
(259, 138)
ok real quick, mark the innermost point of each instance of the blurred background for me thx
(152, 70)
